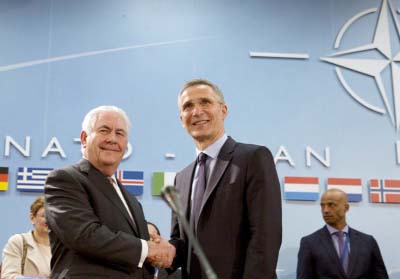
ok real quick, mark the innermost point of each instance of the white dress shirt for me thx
(145, 247)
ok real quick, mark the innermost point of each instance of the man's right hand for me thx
(161, 253)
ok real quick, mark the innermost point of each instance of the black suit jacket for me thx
(91, 233)
(318, 258)
(240, 223)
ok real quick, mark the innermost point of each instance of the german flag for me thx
(3, 179)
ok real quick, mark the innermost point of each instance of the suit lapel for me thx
(135, 209)
(103, 185)
(185, 187)
(223, 160)
(326, 239)
(355, 243)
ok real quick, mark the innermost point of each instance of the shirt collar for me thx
(213, 149)
(332, 230)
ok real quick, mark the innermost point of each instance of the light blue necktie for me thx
(343, 250)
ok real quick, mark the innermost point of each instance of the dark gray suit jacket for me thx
(318, 258)
(240, 223)
(91, 233)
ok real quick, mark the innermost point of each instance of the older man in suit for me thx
(336, 250)
(231, 194)
(97, 229)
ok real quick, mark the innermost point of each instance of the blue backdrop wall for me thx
(280, 63)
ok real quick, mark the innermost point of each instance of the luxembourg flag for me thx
(301, 188)
(351, 186)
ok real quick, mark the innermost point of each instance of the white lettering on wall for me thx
(54, 146)
(326, 161)
(283, 155)
(24, 151)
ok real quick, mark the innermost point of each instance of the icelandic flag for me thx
(301, 188)
(351, 186)
(384, 191)
(32, 179)
(160, 180)
(133, 181)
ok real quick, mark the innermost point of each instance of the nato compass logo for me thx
(381, 43)
(382, 54)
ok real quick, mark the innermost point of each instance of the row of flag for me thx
(294, 187)
(33, 180)
(308, 189)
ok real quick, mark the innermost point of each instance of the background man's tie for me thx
(343, 251)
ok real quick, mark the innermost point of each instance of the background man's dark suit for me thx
(239, 226)
(319, 259)
(91, 232)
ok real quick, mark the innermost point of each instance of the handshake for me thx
(161, 253)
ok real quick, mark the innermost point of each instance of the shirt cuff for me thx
(145, 252)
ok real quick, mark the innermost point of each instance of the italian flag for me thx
(160, 180)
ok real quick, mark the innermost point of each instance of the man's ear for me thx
(180, 118)
(83, 138)
(347, 207)
(224, 110)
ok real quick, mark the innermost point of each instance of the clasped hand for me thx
(161, 253)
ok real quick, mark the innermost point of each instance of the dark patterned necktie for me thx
(111, 180)
(200, 187)
(123, 200)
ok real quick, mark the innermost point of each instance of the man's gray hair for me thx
(195, 82)
(91, 117)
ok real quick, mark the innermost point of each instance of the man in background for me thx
(97, 229)
(336, 250)
(231, 194)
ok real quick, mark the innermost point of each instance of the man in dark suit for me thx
(231, 196)
(97, 229)
(336, 250)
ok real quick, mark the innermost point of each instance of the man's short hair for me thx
(91, 117)
(195, 82)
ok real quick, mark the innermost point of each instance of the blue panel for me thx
(61, 58)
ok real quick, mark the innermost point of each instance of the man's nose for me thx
(111, 137)
(198, 109)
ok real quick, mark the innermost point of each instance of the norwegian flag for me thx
(384, 191)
